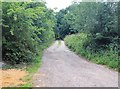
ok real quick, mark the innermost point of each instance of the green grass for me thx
(108, 57)
(59, 43)
(33, 68)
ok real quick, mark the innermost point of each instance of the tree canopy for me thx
(97, 19)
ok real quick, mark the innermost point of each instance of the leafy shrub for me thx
(105, 57)
(27, 28)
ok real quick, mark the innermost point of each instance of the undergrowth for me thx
(105, 57)
(30, 68)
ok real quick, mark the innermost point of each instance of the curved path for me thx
(62, 68)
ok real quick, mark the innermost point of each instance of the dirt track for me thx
(62, 68)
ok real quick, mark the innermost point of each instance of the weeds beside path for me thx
(10, 74)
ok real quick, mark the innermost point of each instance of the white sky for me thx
(59, 4)
(62, 4)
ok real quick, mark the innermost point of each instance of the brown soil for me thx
(11, 77)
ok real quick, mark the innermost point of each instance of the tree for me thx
(26, 26)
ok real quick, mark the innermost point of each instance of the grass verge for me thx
(31, 68)
(106, 57)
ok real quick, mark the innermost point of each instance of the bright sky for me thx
(59, 4)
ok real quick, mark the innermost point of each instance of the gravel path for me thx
(62, 68)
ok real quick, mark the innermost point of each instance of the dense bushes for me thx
(25, 26)
(76, 43)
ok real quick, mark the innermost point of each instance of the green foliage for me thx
(119, 32)
(26, 26)
(92, 17)
(76, 44)
(95, 25)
